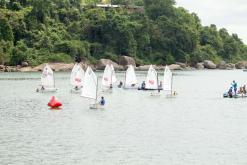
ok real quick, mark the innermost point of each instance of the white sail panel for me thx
(151, 80)
(79, 77)
(109, 76)
(73, 74)
(167, 84)
(89, 89)
(130, 78)
(47, 79)
(113, 75)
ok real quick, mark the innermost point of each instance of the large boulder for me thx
(222, 65)
(209, 64)
(182, 65)
(25, 69)
(241, 65)
(230, 66)
(175, 67)
(143, 67)
(103, 62)
(55, 67)
(126, 60)
(24, 64)
(200, 65)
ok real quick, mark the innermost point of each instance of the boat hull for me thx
(225, 95)
(47, 90)
(96, 106)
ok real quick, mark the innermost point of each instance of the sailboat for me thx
(109, 77)
(152, 79)
(77, 78)
(168, 81)
(47, 80)
(90, 88)
(130, 78)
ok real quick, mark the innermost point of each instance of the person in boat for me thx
(160, 85)
(133, 85)
(235, 86)
(102, 101)
(143, 87)
(244, 89)
(120, 84)
(230, 92)
(42, 87)
(76, 88)
(241, 91)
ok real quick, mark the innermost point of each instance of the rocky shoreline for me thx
(124, 61)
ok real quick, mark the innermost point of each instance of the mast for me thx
(125, 78)
(171, 83)
(157, 81)
(96, 91)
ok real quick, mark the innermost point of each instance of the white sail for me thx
(73, 74)
(167, 84)
(109, 76)
(89, 89)
(47, 77)
(113, 77)
(79, 77)
(151, 80)
(130, 77)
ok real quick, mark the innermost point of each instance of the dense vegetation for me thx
(156, 32)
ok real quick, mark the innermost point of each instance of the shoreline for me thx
(122, 66)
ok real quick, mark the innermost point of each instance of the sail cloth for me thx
(167, 84)
(47, 77)
(109, 76)
(130, 77)
(89, 89)
(152, 79)
(77, 76)
(73, 74)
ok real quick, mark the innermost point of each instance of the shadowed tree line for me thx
(66, 30)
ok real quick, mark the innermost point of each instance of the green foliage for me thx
(155, 32)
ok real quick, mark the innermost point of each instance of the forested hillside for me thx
(151, 31)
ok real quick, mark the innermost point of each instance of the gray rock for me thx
(222, 65)
(103, 62)
(175, 67)
(182, 65)
(200, 65)
(230, 66)
(209, 64)
(25, 69)
(143, 67)
(55, 67)
(24, 64)
(241, 65)
(125, 61)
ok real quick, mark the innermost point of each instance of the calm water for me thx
(197, 127)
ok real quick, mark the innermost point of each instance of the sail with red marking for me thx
(152, 79)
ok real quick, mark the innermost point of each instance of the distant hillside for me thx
(38, 31)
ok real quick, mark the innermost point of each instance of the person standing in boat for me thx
(143, 87)
(120, 84)
(102, 101)
(230, 92)
(235, 87)
(244, 89)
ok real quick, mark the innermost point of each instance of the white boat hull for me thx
(47, 90)
(75, 91)
(96, 106)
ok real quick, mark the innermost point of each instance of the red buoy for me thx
(53, 103)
